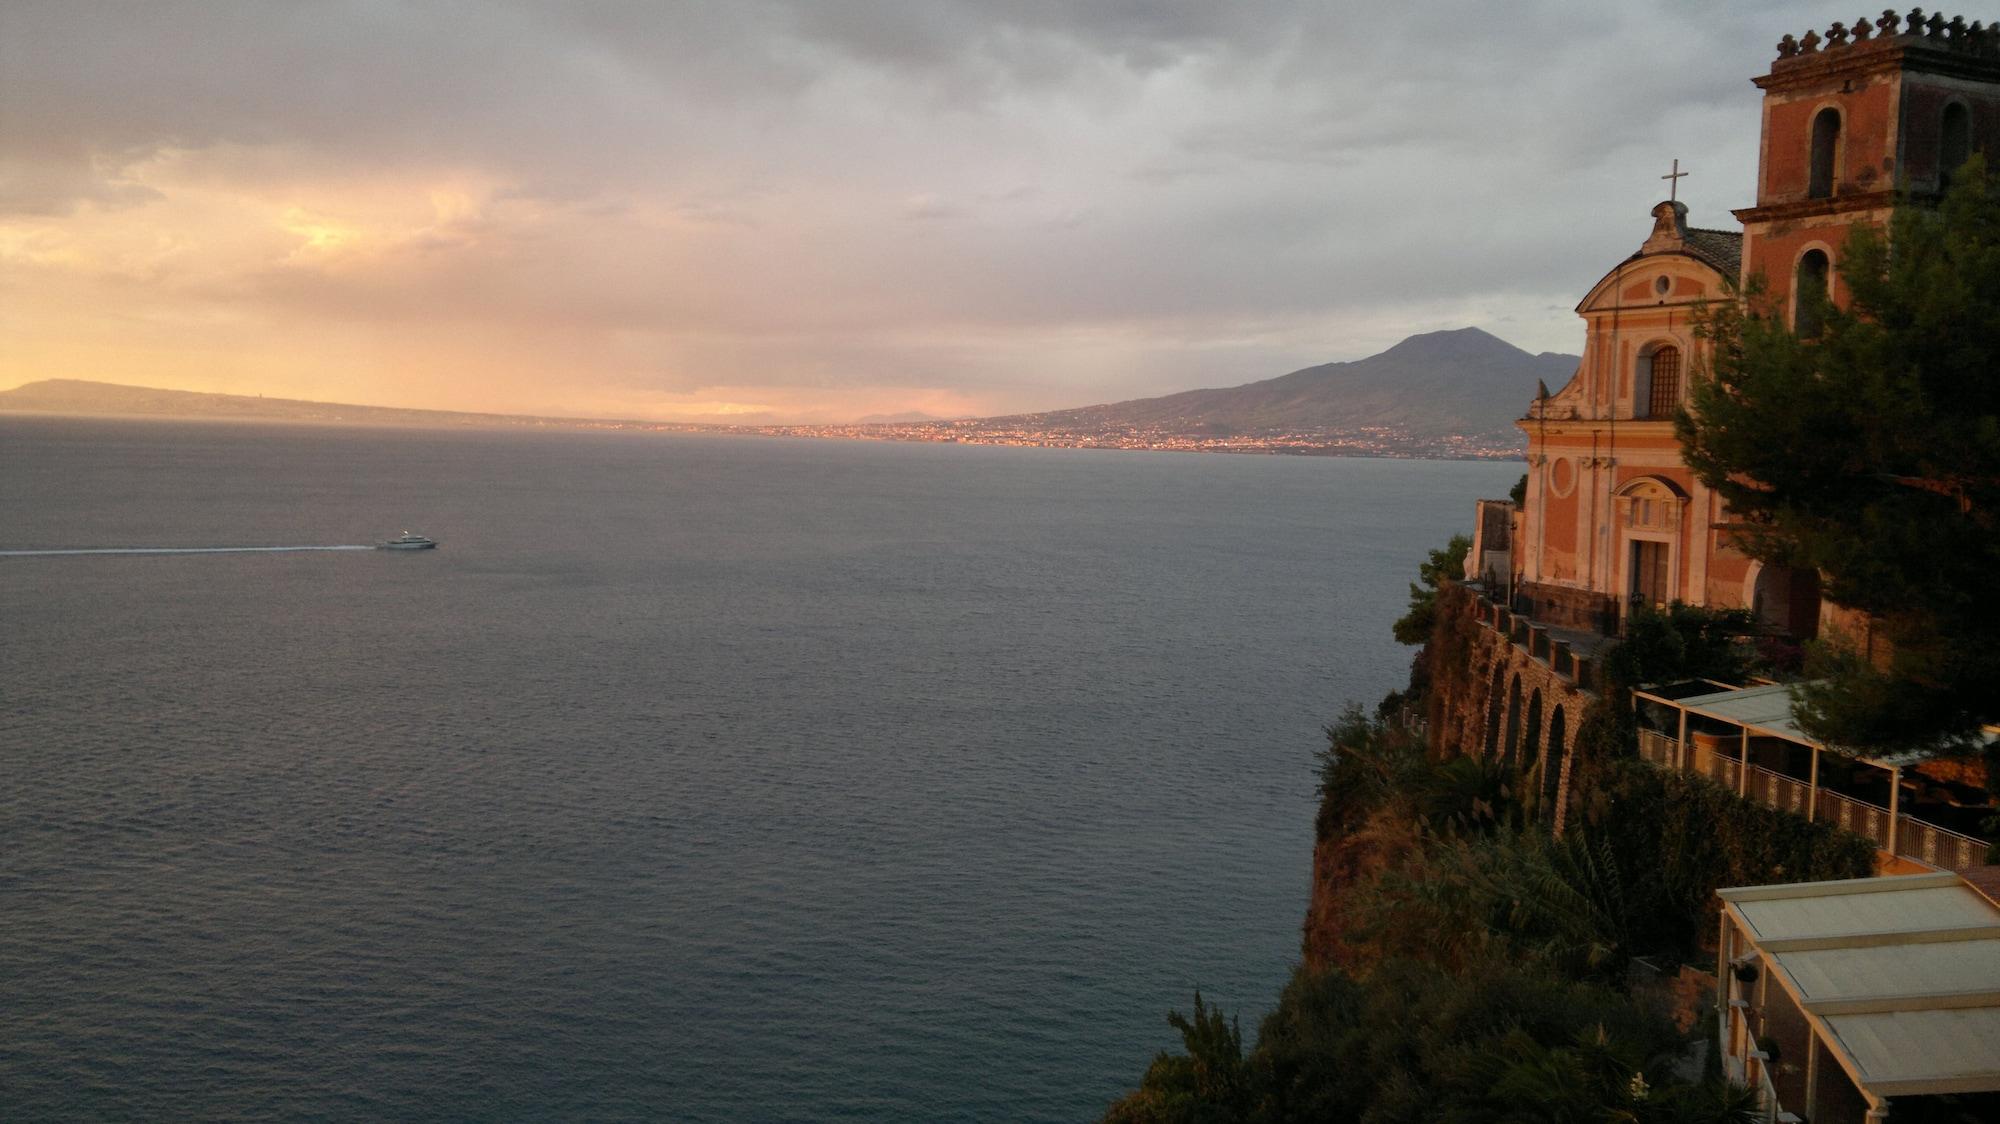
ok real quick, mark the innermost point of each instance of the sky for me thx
(820, 210)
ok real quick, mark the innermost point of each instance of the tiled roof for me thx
(1722, 249)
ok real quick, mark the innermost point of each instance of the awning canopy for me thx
(1764, 709)
(1761, 710)
(1900, 977)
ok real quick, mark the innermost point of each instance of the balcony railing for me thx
(1914, 838)
(1657, 748)
(1533, 637)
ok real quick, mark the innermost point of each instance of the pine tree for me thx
(1871, 454)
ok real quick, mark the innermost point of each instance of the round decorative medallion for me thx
(1562, 476)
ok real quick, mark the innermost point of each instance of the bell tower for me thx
(1858, 122)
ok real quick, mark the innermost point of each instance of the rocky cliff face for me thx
(1337, 864)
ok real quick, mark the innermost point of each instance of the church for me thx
(1813, 1007)
(1856, 123)
(1814, 1010)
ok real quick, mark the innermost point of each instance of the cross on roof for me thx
(1673, 179)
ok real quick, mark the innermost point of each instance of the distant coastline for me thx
(83, 398)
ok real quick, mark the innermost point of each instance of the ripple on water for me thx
(707, 779)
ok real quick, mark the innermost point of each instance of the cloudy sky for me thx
(821, 209)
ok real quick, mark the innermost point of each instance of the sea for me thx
(690, 778)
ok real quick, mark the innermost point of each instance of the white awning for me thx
(1900, 977)
(1765, 709)
(1762, 710)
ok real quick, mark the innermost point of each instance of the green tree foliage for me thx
(1871, 454)
(1499, 1041)
(1660, 646)
(1486, 962)
(1686, 836)
(1678, 642)
(1414, 627)
(1519, 492)
(1209, 1084)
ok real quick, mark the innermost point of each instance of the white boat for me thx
(407, 542)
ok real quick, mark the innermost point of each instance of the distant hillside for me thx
(1448, 394)
(1463, 382)
(78, 396)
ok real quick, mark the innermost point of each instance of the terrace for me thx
(1745, 739)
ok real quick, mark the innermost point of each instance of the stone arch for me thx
(1513, 744)
(1495, 695)
(1785, 600)
(1531, 736)
(1553, 758)
(1651, 485)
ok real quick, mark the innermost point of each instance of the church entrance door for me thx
(1649, 572)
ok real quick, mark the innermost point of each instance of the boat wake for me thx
(178, 550)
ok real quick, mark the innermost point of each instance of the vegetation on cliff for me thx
(1469, 965)
(1482, 972)
(1416, 625)
(1870, 452)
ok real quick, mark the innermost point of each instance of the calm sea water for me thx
(697, 779)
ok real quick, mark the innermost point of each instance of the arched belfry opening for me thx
(1954, 141)
(1825, 153)
(1809, 293)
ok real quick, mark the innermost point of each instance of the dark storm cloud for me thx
(824, 191)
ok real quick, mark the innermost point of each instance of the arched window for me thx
(1825, 148)
(1809, 293)
(1664, 395)
(1954, 142)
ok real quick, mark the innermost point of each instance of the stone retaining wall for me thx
(1500, 689)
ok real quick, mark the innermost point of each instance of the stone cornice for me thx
(1814, 208)
(1567, 427)
(1866, 59)
(1932, 45)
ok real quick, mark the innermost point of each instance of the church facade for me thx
(1856, 124)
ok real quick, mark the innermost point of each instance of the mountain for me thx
(1448, 394)
(1462, 382)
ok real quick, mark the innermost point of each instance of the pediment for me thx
(1673, 277)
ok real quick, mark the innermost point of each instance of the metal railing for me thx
(1722, 770)
(1914, 838)
(1857, 816)
(1657, 748)
(1938, 846)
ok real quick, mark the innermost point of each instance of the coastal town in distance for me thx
(1028, 430)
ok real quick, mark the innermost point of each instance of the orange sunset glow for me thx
(777, 212)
